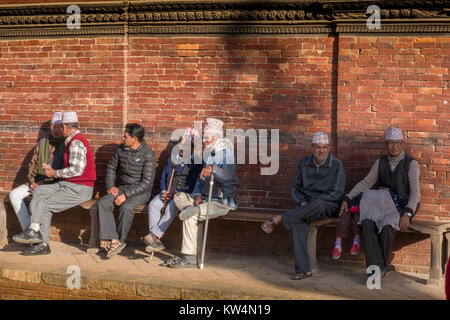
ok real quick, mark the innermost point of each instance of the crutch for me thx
(208, 211)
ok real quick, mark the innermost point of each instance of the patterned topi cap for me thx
(56, 117)
(320, 137)
(69, 117)
(394, 133)
(213, 127)
(191, 134)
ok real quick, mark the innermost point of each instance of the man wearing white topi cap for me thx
(75, 186)
(317, 191)
(390, 208)
(48, 150)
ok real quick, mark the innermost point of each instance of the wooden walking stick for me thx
(163, 209)
(208, 211)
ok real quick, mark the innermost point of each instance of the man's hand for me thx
(206, 172)
(404, 222)
(49, 172)
(164, 196)
(32, 187)
(197, 200)
(114, 191)
(344, 207)
(170, 194)
(120, 200)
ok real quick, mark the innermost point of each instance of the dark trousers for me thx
(344, 222)
(107, 225)
(377, 246)
(296, 222)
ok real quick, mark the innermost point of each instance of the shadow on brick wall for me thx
(21, 176)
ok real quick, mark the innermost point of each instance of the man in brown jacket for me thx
(49, 150)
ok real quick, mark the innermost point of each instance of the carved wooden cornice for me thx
(232, 17)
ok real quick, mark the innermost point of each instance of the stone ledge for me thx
(105, 286)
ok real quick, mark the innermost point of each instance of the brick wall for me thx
(350, 87)
(402, 81)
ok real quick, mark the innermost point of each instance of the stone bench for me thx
(242, 214)
(436, 229)
(4, 202)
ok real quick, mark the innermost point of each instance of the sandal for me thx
(268, 226)
(115, 248)
(301, 276)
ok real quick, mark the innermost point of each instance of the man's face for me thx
(208, 140)
(66, 131)
(181, 142)
(128, 141)
(56, 130)
(395, 147)
(320, 151)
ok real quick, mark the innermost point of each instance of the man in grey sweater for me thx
(317, 191)
(397, 175)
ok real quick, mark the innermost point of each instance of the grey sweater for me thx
(325, 181)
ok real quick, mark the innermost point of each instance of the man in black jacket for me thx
(135, 162)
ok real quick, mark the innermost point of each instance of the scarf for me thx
(44, 153)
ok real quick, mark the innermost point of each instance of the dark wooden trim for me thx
(226, 17)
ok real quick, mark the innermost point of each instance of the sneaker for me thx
(336, 253)
(188, 212)
(153, 245)
(28, 236)
(355, 249)
(37, 249)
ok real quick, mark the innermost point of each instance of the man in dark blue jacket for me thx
(218, 160)
(317, 191)
(183, 180)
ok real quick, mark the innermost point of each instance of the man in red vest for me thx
(75, 185)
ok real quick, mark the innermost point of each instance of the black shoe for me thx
(37, 249)
(384, 271)
(28, 236)
(184, 262)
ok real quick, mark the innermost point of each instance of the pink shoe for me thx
(355, 249)
(336, 253)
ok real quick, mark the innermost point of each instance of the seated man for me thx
(384, 211)
(317, 191)
(134, 160)
(219, 155)
(48, 150)
(75, 186)
(174, 178)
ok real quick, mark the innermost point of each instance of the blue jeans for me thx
(157, 227)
